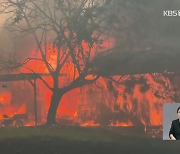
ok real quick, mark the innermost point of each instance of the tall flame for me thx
(137, 99)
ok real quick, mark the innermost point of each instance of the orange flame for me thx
(90, 123)
(121, 124)
(103, 102)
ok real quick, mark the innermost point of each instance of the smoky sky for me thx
(146, 40)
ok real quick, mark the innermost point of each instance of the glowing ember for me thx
(90, 77)
(90, 123)
(121, 124)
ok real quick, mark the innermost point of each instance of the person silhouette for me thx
(174, 133)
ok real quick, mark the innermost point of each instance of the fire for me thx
(102, 103)
(138, 99)
(90, 123)
(90, 77)
(135, 101)
(121, 124)
(5, 98)
(21, 110)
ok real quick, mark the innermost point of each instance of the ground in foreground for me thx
(77, 140)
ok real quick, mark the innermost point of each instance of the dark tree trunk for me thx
(55, 99)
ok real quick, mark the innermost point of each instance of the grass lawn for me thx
(78, 140)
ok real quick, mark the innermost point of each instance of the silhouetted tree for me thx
(76, 30)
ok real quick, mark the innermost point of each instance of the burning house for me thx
(129, 100)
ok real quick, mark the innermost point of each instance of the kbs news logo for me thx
(171, 13)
